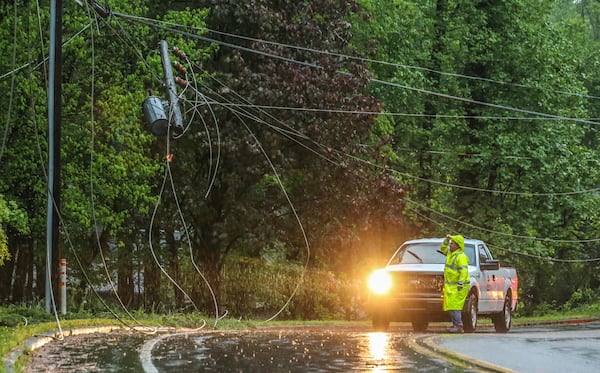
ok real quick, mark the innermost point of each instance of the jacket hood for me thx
(460, 241)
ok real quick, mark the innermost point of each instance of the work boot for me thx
(456, 330)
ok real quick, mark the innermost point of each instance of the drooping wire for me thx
(153, 217)
(548, 116)
(151, 245)
(187, 234)
(66, 232)
(124, 36)
(212, 174)
(92, 193)
(54, 204)
(282, 187)
(155, 258)
(385, 63)
(296, 216)
(526, 193)
(286, 133)
(447, 184)
(354, 58)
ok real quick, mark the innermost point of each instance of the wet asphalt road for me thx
(556, 348)
(299, 349)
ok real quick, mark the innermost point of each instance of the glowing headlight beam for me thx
(380, 282)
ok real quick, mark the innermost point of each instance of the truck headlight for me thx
(380, 282)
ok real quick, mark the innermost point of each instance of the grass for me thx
(15, 330)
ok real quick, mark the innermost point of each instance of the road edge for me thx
(38, 341)
(426, 345)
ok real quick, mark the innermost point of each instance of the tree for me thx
(474, 167)
(236, 203)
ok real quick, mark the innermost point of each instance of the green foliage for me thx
(14, 217)
(20, 315)
(511, 167)
(581, 297)
(4, 253)
(322, 295)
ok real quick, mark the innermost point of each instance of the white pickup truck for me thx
(409, 288)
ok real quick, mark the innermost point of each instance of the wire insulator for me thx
(181, 82)
(179, 53)
(179, 67)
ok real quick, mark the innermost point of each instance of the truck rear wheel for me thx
(503, 319)
(469, 315)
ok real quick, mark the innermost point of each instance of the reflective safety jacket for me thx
(456, 275)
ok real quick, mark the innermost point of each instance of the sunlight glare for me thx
(378, 345)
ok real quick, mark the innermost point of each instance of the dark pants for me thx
(456, 318)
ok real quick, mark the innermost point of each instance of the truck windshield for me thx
(426, 253)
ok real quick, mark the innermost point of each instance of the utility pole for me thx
(175, 116)
(163, 115)
(54, 134)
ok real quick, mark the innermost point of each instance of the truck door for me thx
(493, 282)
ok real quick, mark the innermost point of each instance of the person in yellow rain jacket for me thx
(456, 279)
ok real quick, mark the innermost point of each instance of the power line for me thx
(496, 247)
(511, 235)
(391, 114)
(548, 117)
(379, 81)
(384, 169)
(361, 59)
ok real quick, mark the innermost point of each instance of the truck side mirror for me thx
(490, 265)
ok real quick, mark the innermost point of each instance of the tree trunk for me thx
(172, 247)
(125, 285)
(152, 275)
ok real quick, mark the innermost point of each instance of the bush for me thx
(580, 297)
(543, 309)
(14, 315)
(10, 319)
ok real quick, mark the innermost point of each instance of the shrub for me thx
(580, 298)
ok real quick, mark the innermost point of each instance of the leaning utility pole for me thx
(175, 116)
(160, 115)
(54, 133)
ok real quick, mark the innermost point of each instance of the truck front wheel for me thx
(419, 325)
(380, 323)
(469, 314)
(503, 319)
